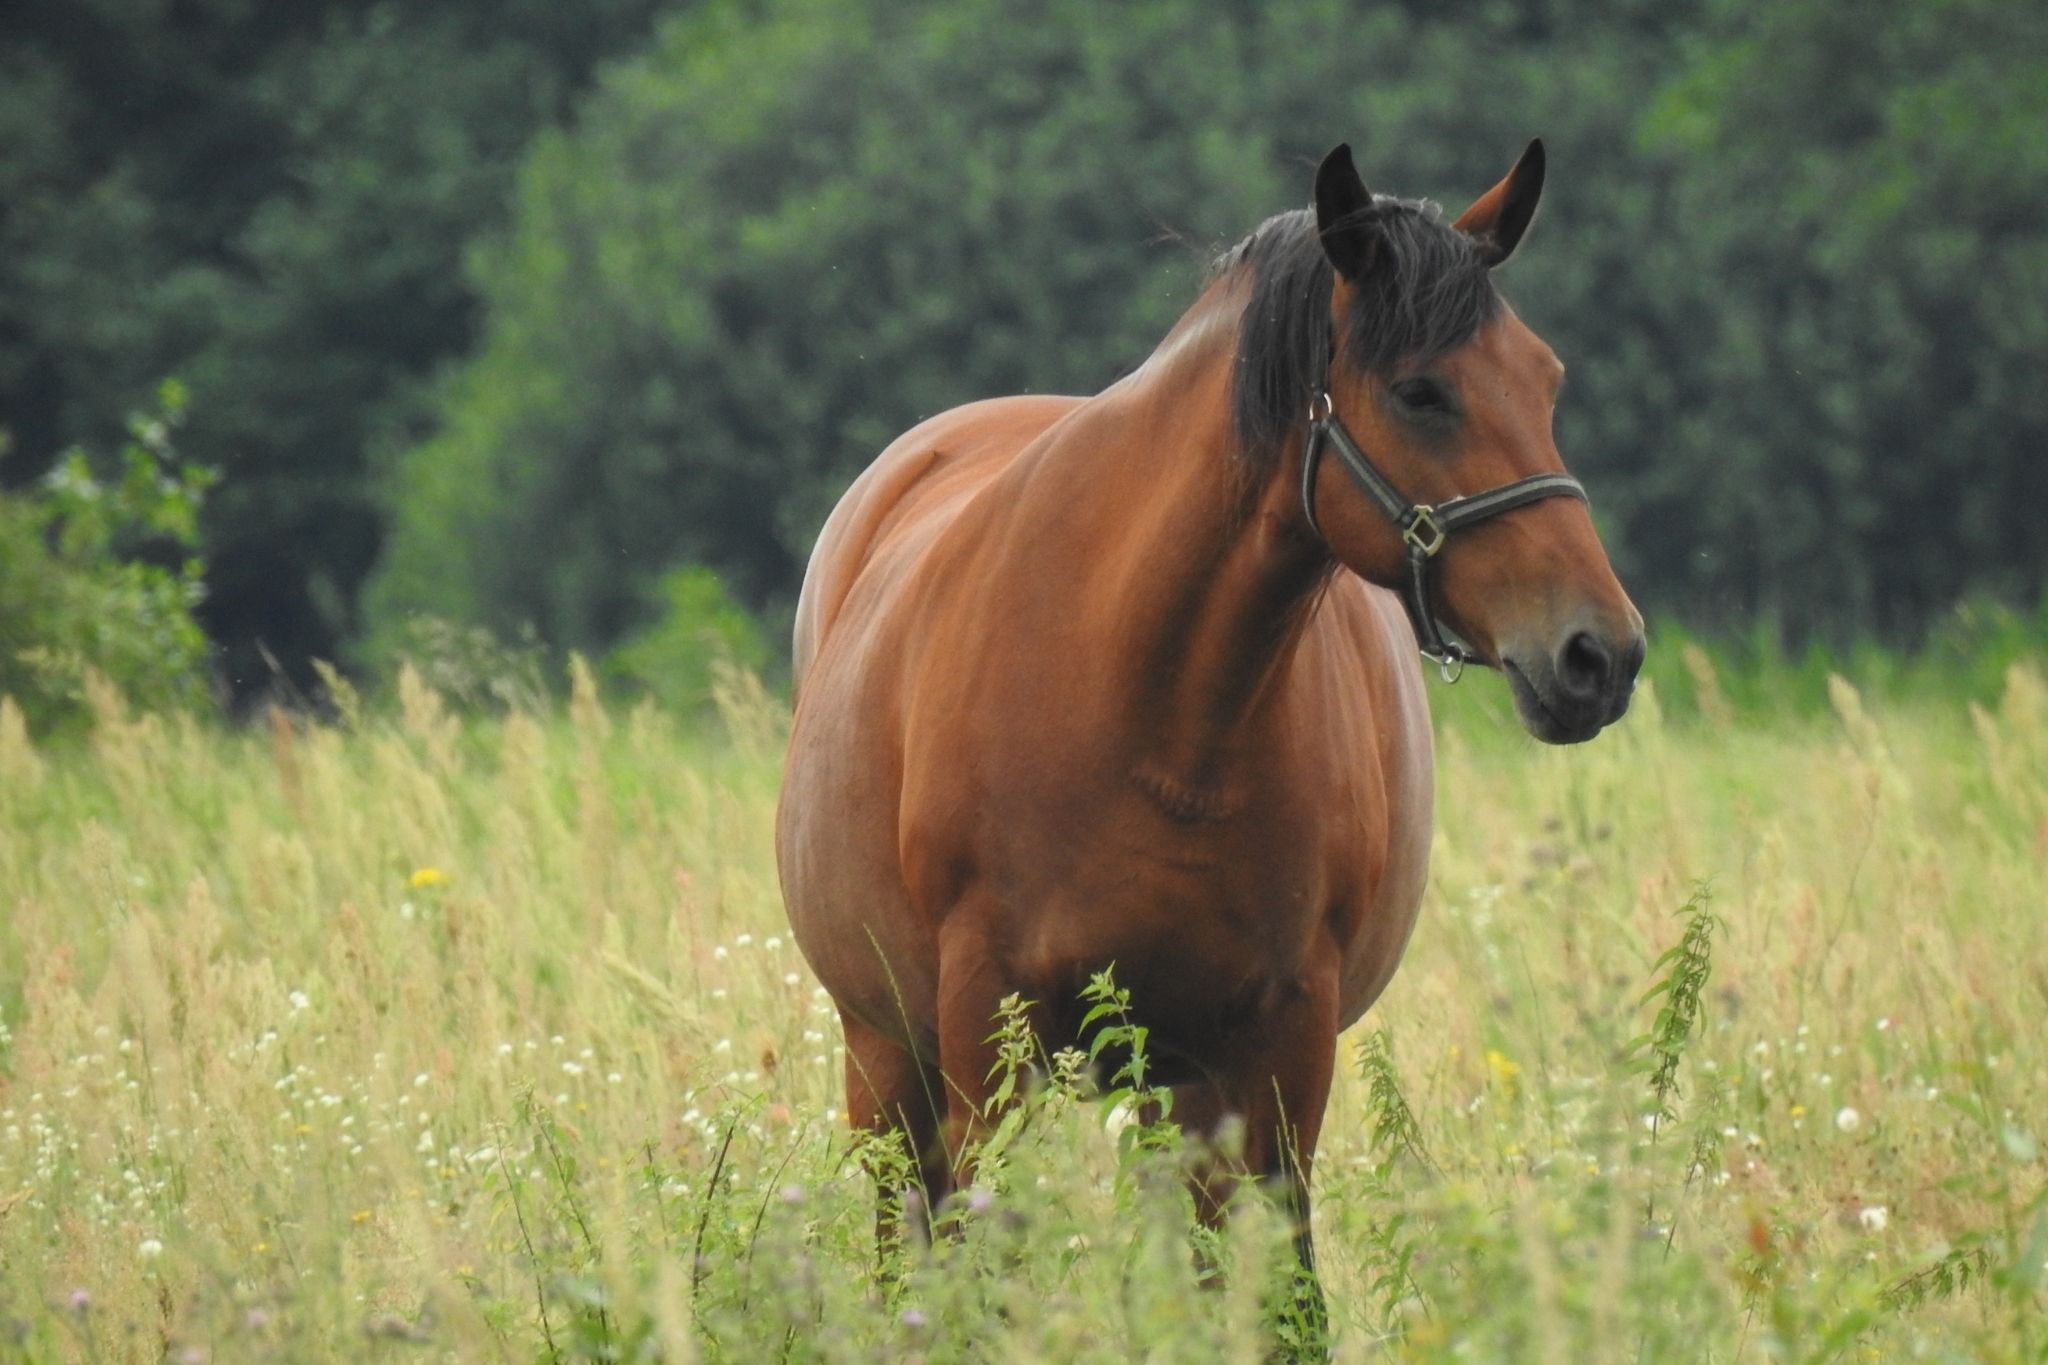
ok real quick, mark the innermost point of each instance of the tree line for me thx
(506, 314)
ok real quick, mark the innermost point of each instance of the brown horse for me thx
(1129, 679)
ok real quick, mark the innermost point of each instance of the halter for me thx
(1424, 527)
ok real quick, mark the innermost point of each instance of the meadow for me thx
(425, 1035)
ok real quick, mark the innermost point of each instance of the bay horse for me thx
(1129, 679)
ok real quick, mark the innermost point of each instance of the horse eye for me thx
(1426, 397)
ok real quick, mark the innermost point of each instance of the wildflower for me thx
(299, 1000)
(914, 1318)
(1504, 1069)
(80, 1300)
(359, 1217)
(150, 1249)
(1874, 1218)
(1847, 1119)
(425, 877)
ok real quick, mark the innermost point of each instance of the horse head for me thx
(1438, 401)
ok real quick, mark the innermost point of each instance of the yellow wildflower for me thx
(424, 877)
(1504, 1070)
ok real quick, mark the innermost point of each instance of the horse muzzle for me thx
(1572, 692)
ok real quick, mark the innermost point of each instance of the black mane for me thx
(1427, 294)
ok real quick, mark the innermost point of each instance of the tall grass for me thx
(421, 1038)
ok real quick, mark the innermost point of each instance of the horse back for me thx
(934, 467)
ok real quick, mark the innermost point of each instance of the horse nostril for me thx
(1585, 666)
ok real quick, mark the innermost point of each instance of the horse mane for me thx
(1427, 296)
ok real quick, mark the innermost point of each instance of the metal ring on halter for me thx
(1450, 666)
(1322, 400)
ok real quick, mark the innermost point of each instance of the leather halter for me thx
(1424, 527)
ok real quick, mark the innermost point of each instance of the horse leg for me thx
(1280, 1098)
(971, 991)
(1283, 1120)
(889, 1091)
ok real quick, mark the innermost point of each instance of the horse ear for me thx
(1341, 204)
(1498, 218)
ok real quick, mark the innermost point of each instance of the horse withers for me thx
(1131, 679)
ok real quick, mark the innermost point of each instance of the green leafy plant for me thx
(99, 576)
(676, 659)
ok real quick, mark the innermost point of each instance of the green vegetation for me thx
(96, 582)
(1784, 258)
(271, 203)
(1718, 1040)
(502, 313)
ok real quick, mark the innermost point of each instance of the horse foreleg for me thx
(891, 1093)
(1279, 1097)
(1284, 1119)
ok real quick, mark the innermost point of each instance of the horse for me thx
(1129, 679)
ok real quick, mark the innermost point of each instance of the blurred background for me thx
(493, 329)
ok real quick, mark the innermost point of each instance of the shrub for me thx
(97, 576)
(701, 626)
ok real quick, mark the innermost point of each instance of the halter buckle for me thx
(1423, 532)
(1450, 665)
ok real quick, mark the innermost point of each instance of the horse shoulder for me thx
(1369, 709)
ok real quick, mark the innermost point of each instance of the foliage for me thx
(97, 579)
(1849, 393)
(1782, 256)
(700, 629)
(500, 312)
(1686, 967)
(272, 202)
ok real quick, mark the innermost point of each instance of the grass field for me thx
(418, 1038)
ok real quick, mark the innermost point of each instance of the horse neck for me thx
(1215, 574)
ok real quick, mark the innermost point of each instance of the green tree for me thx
(271, 202)
(1845, 297)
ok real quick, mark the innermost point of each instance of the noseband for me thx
(1424, 527)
